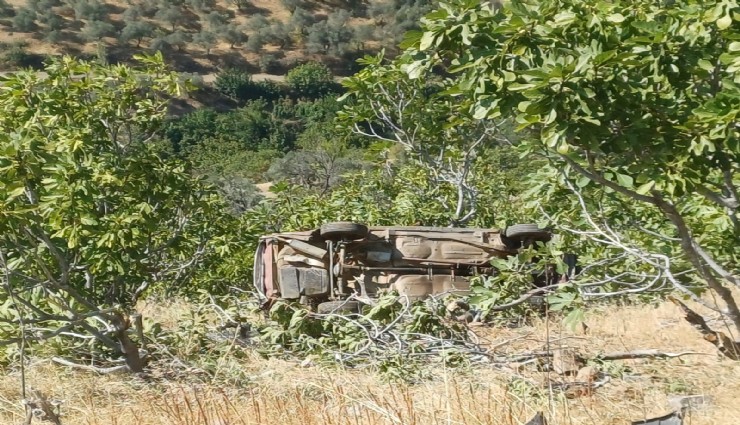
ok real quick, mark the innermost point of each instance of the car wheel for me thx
(522, 232)
(343, 230)
(339, 307)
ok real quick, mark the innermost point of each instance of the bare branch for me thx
(647, 354)
(98, 370)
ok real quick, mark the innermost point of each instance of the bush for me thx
(291, 5)
(54, 37)
(52, 20)
(159, 44)
(301, 19)
(202, 5)
(233, 35)
(268, 90)
(251, 125)
(172, 15)
(311, 80)
(313, 169)
(6, 10)
(257, 23)
(238, 85)
(216, 21)
(42, 5)
(268, 63)
(91, 10)
(178, 39)
(332, 36)
(194, 79)
(232, 83)
(206, 40)
(254, 43)
(240, 193)
(95, 30)
(25, 20)
(133, 14)
(277, 34)
(136, 30)
(16, 56)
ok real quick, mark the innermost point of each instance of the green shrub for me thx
(239, 86)
(268, 63)
(311, 80)
(24, 20)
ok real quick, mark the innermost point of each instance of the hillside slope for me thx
(202, 36)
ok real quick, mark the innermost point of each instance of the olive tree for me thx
(25, 20)
(6, 10)
(172, 15)
(96, 30)
(206, 40)
(241, 5)
(233, 35)
(136, 30)
(92, 216)
(635, 104)
(178, 39)
(91, 10)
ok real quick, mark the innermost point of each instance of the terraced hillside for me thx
(202, 36)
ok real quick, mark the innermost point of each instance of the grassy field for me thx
(279, 392)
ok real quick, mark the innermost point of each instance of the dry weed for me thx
(280, 392)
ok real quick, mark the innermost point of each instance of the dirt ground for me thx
(192, 58)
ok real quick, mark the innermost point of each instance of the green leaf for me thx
(645, 188)
(18, 191)
(724, 22)
(625, 180)
(564, 18)
(426, 41)
(410, 39)
(480, 112)
(705, 65)
(616, 18)
(415, 69)
(574, 318)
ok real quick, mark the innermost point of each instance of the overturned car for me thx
(326, 266)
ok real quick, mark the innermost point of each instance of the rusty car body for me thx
(323, 266)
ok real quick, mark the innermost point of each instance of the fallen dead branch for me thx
(89, 368)
(645, 354)
(675, 418)
(617, 355)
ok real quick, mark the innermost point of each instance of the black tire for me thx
(521, 232)
(339, 307)
(343, 230)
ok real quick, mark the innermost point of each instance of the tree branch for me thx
(645, 354)
(592, 175)
(730, 203)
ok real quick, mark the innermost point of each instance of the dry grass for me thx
(280, 392)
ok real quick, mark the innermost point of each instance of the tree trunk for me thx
(129, 349)
(688, 245)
